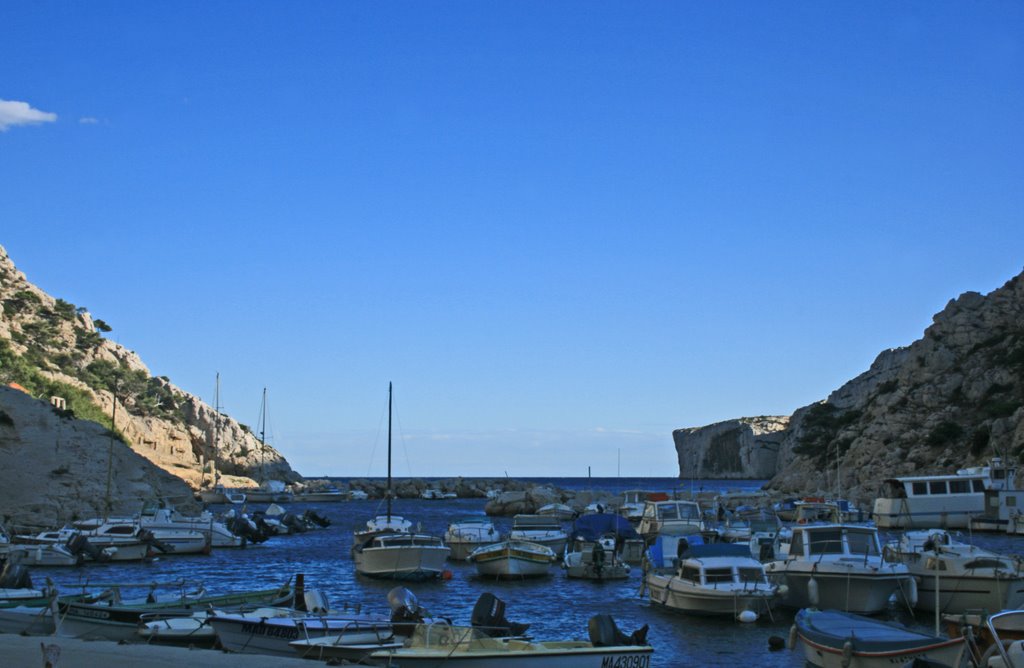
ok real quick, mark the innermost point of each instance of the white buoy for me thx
(747, 616)
(812, 592)
(912, 591)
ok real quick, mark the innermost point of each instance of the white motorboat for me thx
(401, 556)
(940, 501)
(160, 515)
(716, 579)
(965, 577)
(467, 647)
(670, 518)
(468, 533)
(513, 559)
(596, 560)
(387, 549)
(541, 529)
(357, 495)
(837, 566)
(432, 494)
(328, 494)
(832, 639)
(122, 531)
(271, 630)
(43, 554)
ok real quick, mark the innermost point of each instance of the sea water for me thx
(556, 607)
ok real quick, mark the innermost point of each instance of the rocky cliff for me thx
(56, 351)
(950, 399)
(743, 448)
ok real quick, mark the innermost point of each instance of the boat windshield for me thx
(862, 543)
(751, 574)
(678, 511)
(825, 541)
(716, 575)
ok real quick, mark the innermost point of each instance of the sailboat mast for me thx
(389, 453)
(263, 432)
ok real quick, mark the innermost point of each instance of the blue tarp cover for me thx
(717, 550)
(592, 527)
(833, 628)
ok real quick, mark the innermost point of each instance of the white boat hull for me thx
(958, 594)
(830, 657)
(512, 560)
(670, 592)
(849, 592)
(418, 562)
(254, 635)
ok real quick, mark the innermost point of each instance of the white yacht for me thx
(158, 516)
(401, 556)
(468, 533)
(597, 560)
(940, 501)
(117, 531)
(632, 504)
(838, 566)
(716, 579)
(964, 576)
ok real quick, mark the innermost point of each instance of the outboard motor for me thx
(294, 524)
(406, 612)
(146, 536)
(604, 632)
(15, 576)
(489, 618)
(316, 518)
(80, 545)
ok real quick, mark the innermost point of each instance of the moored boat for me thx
(718, 579)
(467, 647)
(468, 533)
(837, 566)
(513, 559)
(832, 639)
(541, 529)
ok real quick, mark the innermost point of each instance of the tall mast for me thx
(389, 453)
(110, 451)
(263, 431)
(216, 428)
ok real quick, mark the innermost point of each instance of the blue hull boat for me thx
(833, 639)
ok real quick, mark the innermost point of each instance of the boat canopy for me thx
(592, 527)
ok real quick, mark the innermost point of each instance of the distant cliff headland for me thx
(951, 399)
(60, 379)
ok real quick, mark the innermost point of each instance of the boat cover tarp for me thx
(833, 629)
(592, 527)
(664, 550)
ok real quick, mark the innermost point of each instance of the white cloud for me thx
(14, 113)
(88, 120)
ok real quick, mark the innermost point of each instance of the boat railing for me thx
(383, 631)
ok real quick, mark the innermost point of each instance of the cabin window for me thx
(754, 575)
(826, 542)
(716, 575)
(933, 564)
(690, 574)
(959, 486)
(862, 542)
(937, 487)
(986, 563)
(796, 544)
(978, 485)
(667, 513)
(920, 488)
(688, 512)
(121, 529)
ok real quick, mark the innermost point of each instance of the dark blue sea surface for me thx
(556, 607)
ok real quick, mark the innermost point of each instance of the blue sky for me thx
(562, 229)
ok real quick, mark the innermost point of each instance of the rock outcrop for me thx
(54, 468)
(53, 349)
(951, 399)
(743, 448)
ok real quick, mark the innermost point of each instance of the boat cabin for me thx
(720, 564)
(814, 542)
(536, 523)
(671, 517)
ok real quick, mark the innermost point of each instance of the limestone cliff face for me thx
(53, 467)
(53, 349)
(950, 399)
(743, 448)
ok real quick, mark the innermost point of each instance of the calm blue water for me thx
(557, 608)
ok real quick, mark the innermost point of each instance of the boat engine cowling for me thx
(15, 576)
(604, 632)
(406, 612)
(489, 617)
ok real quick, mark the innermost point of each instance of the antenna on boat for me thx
(263, 433)
(389, 453)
